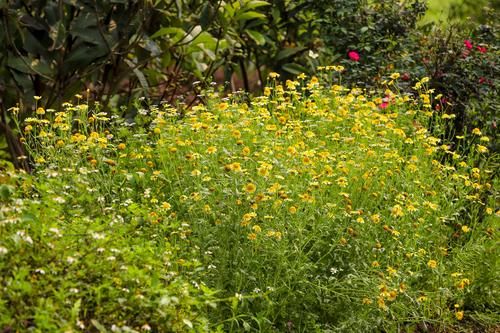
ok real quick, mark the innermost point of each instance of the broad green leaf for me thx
(187, 322)
(250, 16)
(20, 64)
(256, 36)
(288, 52)
(206, 39)
(5, 192)
(168, 31)
(140, 76)
(294, 69)
(98, 325)
(255, 3)
(83, 56)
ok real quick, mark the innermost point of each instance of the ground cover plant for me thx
(313, 207)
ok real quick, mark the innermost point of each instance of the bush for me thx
(313, 207)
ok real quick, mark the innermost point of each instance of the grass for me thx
(312, 208)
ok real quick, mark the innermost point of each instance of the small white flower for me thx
(70, 260)
(312, 54)
(96, 235)
(146, 327)
(80, 324)
(39, 271)
(3, 250)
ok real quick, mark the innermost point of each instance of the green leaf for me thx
(98, 325)
(294, 69)
(82, 56)
(187, 322)
(167, 31)
(5, 192)
(256, 36)
(19, 64)
(250, 16)
(288, 52)
(256, 3)
(140, 76)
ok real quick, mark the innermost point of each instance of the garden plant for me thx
(351, 186)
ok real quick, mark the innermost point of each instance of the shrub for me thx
(312, 207)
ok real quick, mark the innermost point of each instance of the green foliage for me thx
(377, 30)
(462, 65)
(311, 208)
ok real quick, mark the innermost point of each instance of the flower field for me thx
(311, 208)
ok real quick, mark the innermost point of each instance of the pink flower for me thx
(468, 44)
(353, 55)
(385, 102)
(481, 49)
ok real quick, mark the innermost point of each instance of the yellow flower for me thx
(421, 299)
(397, 211)
(222, 106)
(292, 209)
(465, 229)
(252, 236)
(463, 283)
(211, 150)
(381, 303)
(481, 149)
(256, 228)
(476, 131)
(236, 134)
(306, 197)
(40, 111)
(392, 271)
(367, 301)
(432, 263)
(121, 146)
(274, 75)
(165, 205)
(250, 188)
(459, 315)
(236, 167)
(375, 218)
(395, 76)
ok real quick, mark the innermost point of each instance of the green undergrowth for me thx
(312, 208)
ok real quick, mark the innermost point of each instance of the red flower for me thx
(481, 49)
(482, 80)
(353, 55)
(468, 44)
(385, 102)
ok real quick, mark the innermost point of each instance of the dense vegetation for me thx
(352, 187)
